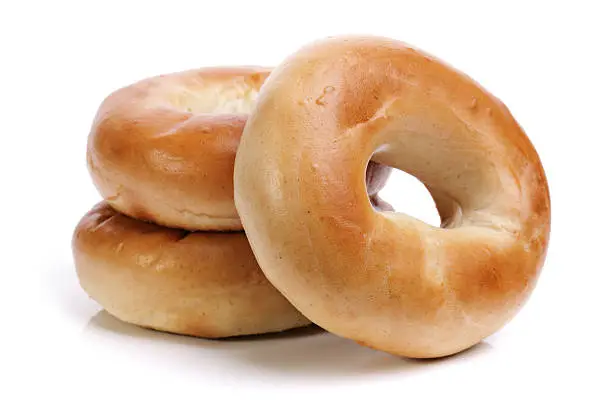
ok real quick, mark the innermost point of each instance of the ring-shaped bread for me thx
(385, 279)
(204, 284)
(162, 150)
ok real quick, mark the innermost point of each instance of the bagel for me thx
(385, 279)
(162, 150)
(194, 283)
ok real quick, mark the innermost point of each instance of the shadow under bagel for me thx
(301, 353)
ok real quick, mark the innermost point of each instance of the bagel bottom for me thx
(204, 284)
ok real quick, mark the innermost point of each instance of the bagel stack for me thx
(166, 249)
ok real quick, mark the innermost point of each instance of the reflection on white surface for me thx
(306, 355)
(305, 352)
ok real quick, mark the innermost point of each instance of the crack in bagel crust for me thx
(386, 279)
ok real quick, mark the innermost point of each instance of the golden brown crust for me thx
(385, 279)
(162, 149)
(195, 283)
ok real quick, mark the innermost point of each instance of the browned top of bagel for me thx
(163, 149)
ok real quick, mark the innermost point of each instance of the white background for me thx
(549, 62)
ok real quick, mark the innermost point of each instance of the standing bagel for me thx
(385, 279)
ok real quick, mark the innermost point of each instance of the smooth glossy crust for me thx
(199, 284)
(162, 149)
(386, 279)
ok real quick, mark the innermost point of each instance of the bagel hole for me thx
(406, 194)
